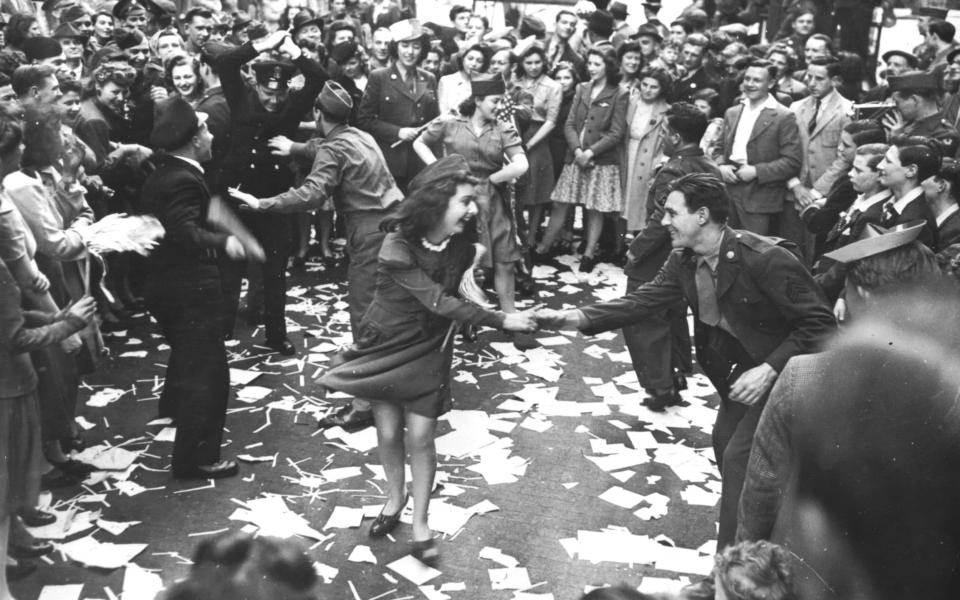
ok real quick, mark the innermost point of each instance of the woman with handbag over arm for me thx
(401, 358)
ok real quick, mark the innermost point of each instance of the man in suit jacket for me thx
(755, 304)
(697, 77)
(399, 100)
(821, 117)
(559, 48)
(942, 191)
(761, 152)
(184, 293)
(660, 344)
(902, 169)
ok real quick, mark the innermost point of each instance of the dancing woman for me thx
(400, 360)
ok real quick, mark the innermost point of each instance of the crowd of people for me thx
(762, 181)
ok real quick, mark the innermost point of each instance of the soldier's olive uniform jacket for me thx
(766, 295)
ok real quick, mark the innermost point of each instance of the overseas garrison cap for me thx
(531, 25)
(40, 47)
(876, 239)
(51, 5)
(913, 81)
(174, 123)
(488, 86)
(335, 100)
(66, 30)
(274, 74)
(73, 13)
(452, 165)
(125, 8)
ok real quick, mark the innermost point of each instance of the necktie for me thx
(813, 120)
(709, 310)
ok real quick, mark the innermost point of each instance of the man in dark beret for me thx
(131, 14)
(260, 112)
(349, 169)
(183, 290)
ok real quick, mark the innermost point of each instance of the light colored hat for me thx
(408, 30)
(876, 239)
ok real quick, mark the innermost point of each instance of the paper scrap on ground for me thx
(140, 584)
(70, 591)
(103, 555)
(412, 569)
(510, 578)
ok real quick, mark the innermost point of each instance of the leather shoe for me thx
(219, 470)
(20, 570)
(426, 552)
(32, 550)
(384, 524)
(34, 517)
(659, 402)
(348, 418)
(284, 347)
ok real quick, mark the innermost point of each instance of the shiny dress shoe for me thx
(34, 550)
(19, 569)
(55, 478)
(219, 470)
(284, 347)
(75, 468)
(34, 517)
(659, 402)
(347, 418)
(384, 524)
(426, 552)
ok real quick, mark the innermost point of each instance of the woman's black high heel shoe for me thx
(426, 552)
(384, 524)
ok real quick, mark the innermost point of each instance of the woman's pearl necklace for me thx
(435, 247)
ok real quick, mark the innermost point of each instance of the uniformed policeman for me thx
(399, 100)
(755, 306)
(348, 168)
(260, 112)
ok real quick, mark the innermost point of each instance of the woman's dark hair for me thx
(11, 133)
(788, 54)
(610, 63)
(111, 72)
(341, 25)
(237, 565)
(485, 53)
(751, 570)
(68, 85)
(704, 190)
(620, 592)
(425, 207)
(180, 60)
(662, 76)
(424, 48)
(42, 137)
(708, 95)
(534, 49)
(17, 29)
(631, 46)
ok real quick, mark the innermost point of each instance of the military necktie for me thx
(709, 309)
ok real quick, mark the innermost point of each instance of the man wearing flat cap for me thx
(183, 290)
(917, 96)
(350, 170)
(258, 113)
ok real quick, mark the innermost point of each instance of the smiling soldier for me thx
(755, 304)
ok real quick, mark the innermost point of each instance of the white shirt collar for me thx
(863, 204)
(189, 161)
(770, 102)
(946, 214)
(909, 197)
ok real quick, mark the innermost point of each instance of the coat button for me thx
(730, 255)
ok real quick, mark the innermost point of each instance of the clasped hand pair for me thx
(540, 318)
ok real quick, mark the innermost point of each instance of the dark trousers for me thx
(724, 359)
(658, 344)
(273, 231)
(363, 249)
(188, 306)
